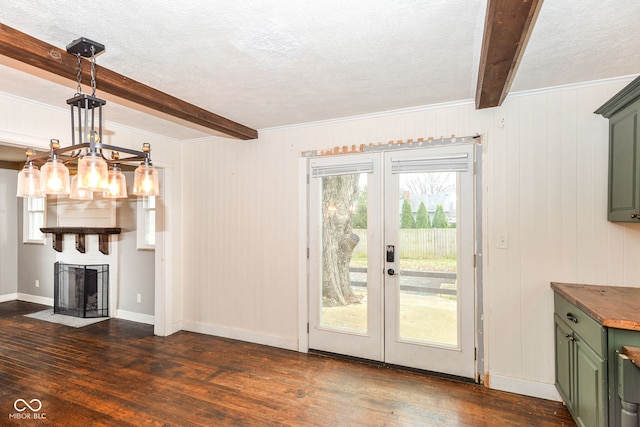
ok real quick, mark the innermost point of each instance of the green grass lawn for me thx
(440, 264)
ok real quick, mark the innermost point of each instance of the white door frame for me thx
(303, 260)
(163, 302)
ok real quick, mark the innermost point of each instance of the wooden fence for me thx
(423, 243)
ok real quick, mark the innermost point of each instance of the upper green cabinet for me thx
(624, 153)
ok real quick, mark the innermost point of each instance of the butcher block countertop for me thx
(611, 306)
(632, 353)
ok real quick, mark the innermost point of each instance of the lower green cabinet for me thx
(564, 362)
(581, 367)
(590, 386)
(587, 352)
(616, 339)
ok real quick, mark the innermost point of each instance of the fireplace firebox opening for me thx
(81, 290)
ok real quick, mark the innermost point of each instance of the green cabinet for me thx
(624, 154)
(591, 386)
(616, 339)
(565, 372)
(586, 359)
(581, 364)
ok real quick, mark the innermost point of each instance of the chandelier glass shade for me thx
(29, 181)
(78, 194)
(87, 150)
(145, 180)
(117, 185)
(93, 172)
(54, 178)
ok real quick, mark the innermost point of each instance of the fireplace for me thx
(81, 290)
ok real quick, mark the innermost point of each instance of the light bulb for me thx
(93, 136)
(92, 173)
(114, 188)
(55, 183)
(147, 184)
(93, 177)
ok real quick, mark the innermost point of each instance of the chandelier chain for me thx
(79, 76)
(93, 71)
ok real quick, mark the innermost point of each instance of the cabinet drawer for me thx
(590, 331)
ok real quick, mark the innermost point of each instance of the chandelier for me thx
(95, 172)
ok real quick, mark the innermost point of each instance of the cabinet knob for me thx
(571, 338)
(635, 216)
(572, 318)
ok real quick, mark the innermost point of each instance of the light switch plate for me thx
(502, 242)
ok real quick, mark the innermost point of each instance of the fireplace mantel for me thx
(80, 232)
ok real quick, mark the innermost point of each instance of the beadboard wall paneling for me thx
(22, 121)
(544, 185)
(86, 213)
(241, 238)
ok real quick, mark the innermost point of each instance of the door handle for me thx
(391, 272)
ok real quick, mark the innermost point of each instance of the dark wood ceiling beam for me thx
(507, 27)
(29, 50)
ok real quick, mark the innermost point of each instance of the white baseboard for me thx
(241, 335)
(176, 327)
(120, 314)
(147, 319)
(8, 297)
(528, 388)
(36, 299)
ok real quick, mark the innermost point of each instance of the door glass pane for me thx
(344, 252)
(427, 259)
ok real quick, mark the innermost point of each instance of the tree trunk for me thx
(338, 241)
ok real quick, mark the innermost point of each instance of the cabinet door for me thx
(617, 338)
(564, 355)
(624, 165)
(590, 387)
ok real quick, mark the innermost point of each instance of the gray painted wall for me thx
(35, 262)
(136, 268)
(8, 232)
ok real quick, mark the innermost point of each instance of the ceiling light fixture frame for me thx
(88, 149)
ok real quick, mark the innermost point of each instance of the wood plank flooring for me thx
(116, 373)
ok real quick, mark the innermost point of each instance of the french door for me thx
(391, 257)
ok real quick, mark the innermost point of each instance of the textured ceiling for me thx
(273, 63)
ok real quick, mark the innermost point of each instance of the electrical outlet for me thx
(502, 241)
(37, 283)
(139, 298)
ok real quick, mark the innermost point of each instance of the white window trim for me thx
(27, 223)
(142, 218)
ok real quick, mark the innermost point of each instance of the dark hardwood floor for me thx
(116, 373)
